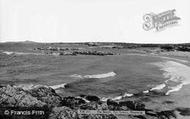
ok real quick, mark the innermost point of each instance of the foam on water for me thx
(158, 87)
(98, 76)
(127, 95)
(175, 72)
(28, 86)
(58, 86)
(8, 53)
(174, 89)
(146, 91)
(31, 86)
(20, 53)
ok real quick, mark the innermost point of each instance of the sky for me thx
(90, 21)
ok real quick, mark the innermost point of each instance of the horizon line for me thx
(30, 41)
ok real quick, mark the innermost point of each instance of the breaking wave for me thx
(28, 86)
(177, 75)
(158, 87)
(31, 86)
(98, 76)
(58, 86)
(19, 53)
(174, 72)
(8, 53)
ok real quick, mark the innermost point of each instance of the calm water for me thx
(134, 73)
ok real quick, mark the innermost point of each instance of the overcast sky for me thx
(90, 20)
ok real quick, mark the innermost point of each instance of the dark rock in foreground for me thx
(72, 102)
(47, 95)
(63, 113)
(17, 97)
(68, 107)
(91, 98)
(184, 111)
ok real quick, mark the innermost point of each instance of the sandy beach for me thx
(176, 86)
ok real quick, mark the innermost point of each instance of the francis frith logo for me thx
(160, 21)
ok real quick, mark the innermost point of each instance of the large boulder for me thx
(134, 105)
(183, 111)
(47, 95)
(72, 102)
(112, 105)
(17, 97)
(167, 114)
(90, 106)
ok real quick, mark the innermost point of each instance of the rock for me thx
(134, 105)
(168, 114)
(183, 111)
(111, 102)
(91, 98)
(103, 106)
(140, 117)
(97, 116)
(112, 105)
(89, 106)
(151, 113)
(168, 102)
(17, 97)
(156, 93)
(47, 95)
(63, 113)
(72, 102)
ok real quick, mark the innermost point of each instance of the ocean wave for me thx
(58, 86)
(105, 75)
(28, 86)
(117, 97)
(158, 87)
(76, 76)
(8, 53)
(146, 91)
(31, 86)
(19, 53)
(174, 89)
(128, 95)
(174, 72)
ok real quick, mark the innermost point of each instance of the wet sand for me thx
(177, 87)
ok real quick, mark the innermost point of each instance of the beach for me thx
(119, 78)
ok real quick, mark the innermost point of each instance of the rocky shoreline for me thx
(67, 107)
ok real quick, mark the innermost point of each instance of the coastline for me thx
(154, 102)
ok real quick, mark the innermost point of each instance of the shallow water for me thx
(107, 76)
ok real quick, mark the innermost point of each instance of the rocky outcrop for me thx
(97, 116)
(183, 111)
(68, 107)
(72, 102)
(63, 113)
(72, 51)
(46, 95)
(123, 105)
(17, 97)
(133, 105)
